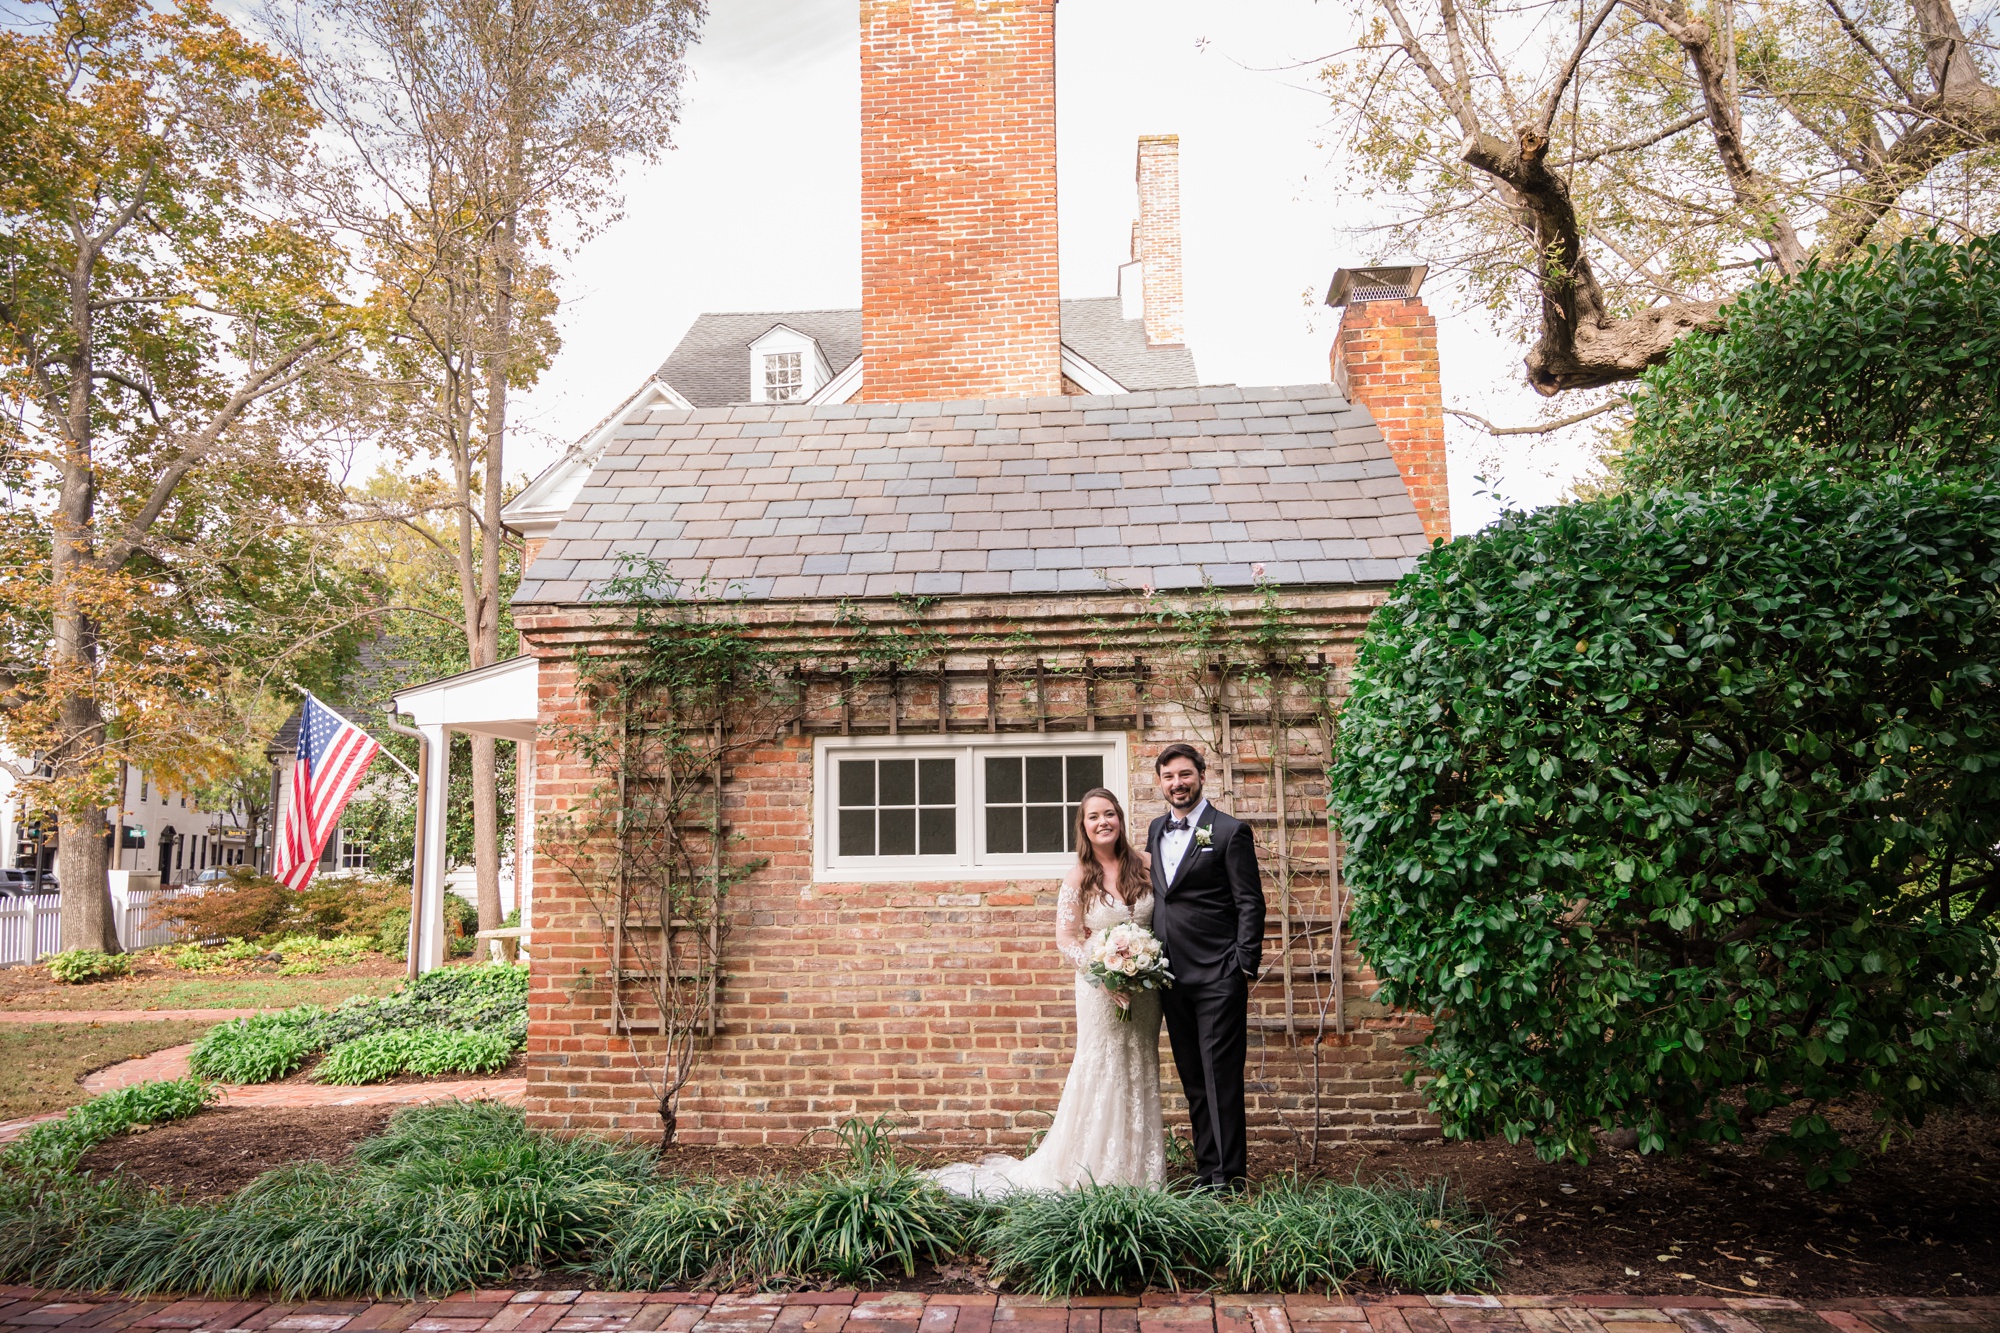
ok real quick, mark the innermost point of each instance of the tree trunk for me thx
(486, 650)
(83, 861)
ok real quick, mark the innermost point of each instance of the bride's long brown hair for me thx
(1132, 871)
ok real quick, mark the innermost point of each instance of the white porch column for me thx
(437, 797)
(524, 839)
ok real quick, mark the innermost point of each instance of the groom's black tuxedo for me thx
(1210, 916)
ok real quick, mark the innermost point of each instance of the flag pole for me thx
(385, 751)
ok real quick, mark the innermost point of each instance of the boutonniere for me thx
(1204, 836)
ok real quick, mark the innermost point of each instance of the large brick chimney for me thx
(1156, 241)
(1385, 358)
(959, 293)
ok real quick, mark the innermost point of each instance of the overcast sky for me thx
(758, 207)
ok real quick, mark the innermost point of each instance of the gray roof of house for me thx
(710, 367)
(991, 497)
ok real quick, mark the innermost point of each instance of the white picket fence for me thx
(31, 927)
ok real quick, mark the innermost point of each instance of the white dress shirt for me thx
(1174, 843)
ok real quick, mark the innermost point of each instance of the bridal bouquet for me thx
(1128, 958)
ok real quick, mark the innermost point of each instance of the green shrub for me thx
(854, 1226)
(1674, 811)
(1890, 363)
(1107, 1238)
(1294, 1236)
(57, 1145)
(257, 1049)
(74, 966)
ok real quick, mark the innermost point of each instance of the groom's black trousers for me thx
(1208, 1024)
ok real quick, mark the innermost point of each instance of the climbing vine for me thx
(685, 691)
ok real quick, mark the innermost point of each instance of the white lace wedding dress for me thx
(1107, 1126)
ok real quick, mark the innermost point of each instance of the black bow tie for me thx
(1177, 826)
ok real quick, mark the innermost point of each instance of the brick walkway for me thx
(910, 1312)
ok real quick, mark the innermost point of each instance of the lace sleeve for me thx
(1070, 933)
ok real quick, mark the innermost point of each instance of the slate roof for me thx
(999, 496)
(710, 366)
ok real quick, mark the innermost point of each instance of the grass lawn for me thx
(199, 992)
(41, 1062)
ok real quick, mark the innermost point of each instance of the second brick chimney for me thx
(1385, 358)
(1156, 241)
(959, 295)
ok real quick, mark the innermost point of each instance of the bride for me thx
(1107, 1126)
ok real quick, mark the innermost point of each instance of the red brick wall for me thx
(942, 1004)
(958, 200)
(1385, 357)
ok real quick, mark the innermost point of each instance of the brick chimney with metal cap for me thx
(1385, 358)
(959, 295)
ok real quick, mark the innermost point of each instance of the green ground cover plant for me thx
(56, 1145)
(1679, 813)
(455, 1195)
(453, 1020)
(76, 966)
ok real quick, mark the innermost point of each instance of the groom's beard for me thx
(1193, 800)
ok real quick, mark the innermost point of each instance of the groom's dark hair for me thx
(1181, 750)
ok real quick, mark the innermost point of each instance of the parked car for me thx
(22, 883)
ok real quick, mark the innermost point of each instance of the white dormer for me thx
(786, 366)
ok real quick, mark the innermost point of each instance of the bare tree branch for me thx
(1542, 428)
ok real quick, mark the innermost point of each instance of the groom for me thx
(1208, 909)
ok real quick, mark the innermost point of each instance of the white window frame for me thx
(813, 370)
(971, 862)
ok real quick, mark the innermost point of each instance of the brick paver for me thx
(890, 1311)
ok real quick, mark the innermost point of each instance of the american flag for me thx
(333, 756)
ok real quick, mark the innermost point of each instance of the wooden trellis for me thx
(666, 926)
(1272, 724)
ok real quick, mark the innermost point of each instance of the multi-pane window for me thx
(1031, 800)
(784, 376)
(898, 807)
(353, 851)
(913, 807)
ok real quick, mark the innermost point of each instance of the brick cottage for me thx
(1054, 550)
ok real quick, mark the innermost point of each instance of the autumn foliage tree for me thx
(1606, 173)
(167, 320)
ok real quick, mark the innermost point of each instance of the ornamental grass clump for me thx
(690, 1233)
(1305, 1236)
(1108, 1238)
(862, 1226)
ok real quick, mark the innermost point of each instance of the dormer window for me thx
(784, 376)
(786, 366)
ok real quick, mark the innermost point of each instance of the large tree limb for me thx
(1581, 346)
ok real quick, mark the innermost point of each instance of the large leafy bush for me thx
(1675, 811)
(1891, 363)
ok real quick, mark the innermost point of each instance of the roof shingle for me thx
(991, 497)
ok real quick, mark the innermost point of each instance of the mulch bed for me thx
(1922, 1219)
(217, 1152)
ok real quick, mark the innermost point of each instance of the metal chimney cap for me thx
(1381, 282)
